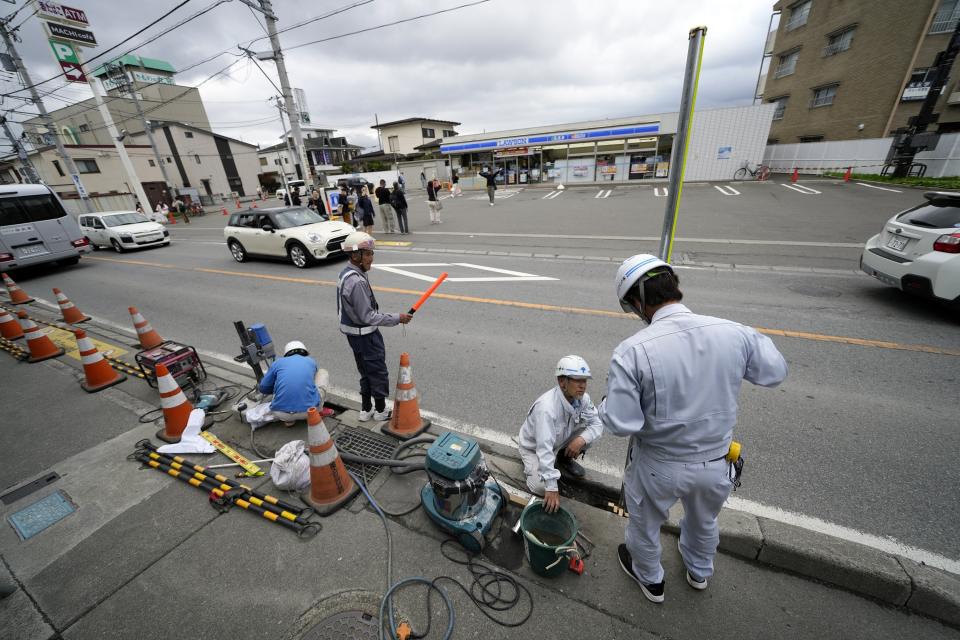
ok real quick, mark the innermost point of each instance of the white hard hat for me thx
(573, 367)
(295, 345)
(358, 240)
(638, 268)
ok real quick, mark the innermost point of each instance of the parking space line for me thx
(603, 193)
(656, 192)
(801, 189)
(552, 195)
(726, 190)
(873, 186)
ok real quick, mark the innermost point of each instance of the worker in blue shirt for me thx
(673, 389)
(295, 382)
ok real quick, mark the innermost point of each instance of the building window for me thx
(449, 133)
(919, 85)
(188, 134)
(428, 133)
(798, 15)
(84, 128)
(394, 143)
(781, 103)
(286, 160)
(838, 42)
(151, 163)
(56, 165)
(823, 96)
(169, 160)
(946, 19)
(787, 64)
(811, 138)
(263, 162)
(87, 165)
(196, 157)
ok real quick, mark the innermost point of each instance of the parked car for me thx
(919, 249)
(35, 228)
(297, 233)
(355, 183)
(122, 230)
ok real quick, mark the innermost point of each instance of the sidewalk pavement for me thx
(144, 555)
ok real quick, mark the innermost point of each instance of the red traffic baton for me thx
(427, 293)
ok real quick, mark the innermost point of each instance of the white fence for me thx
(864, 156)
(120, 202)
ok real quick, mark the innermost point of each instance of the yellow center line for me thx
(785, 333)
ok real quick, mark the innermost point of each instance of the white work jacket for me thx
(673, 386)
(550, 424)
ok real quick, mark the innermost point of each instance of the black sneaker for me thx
(571, 467)
(653, 592)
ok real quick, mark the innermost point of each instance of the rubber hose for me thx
(349, 457)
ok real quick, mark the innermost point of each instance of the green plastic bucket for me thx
(543, 534)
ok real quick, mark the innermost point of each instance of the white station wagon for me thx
(122, 230)
(299, 234)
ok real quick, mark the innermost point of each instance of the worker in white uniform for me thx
(560, 425)
(673, 388)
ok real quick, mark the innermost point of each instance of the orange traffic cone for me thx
(71, 314)
(330, 485)
(405, 422)
(237, 202)
(41, 346)
(846, 176)
(17, 296)
(225, 211)
(98, 371)
(253, 205)
(170, 218)
(176, 407)
(795, 176)
(9, 328)
(148, 337)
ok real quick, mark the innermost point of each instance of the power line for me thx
(304, 23)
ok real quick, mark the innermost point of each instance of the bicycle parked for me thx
(762, 172)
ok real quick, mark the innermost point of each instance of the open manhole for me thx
(362, 442)
(347, 625)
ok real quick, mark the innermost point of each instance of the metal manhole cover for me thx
(348, 625)
(362, 442)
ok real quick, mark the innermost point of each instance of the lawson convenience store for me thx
(617, 151)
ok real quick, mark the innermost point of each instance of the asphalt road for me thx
(862, 434)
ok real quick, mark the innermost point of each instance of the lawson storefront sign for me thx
(551, 138)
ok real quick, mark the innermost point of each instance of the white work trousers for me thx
(651, 487)
(531, 465)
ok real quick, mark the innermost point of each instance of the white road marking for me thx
(501, 194)
(656, 192)
(726, 190)
(552, 195)
(799, 188)
(784, 243)
(873, 186)
(603, 193)
(508, 276)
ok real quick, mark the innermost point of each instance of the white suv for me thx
(122, 230)
(919, 249)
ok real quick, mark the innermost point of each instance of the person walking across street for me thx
(455, 184)
(360, 319)
(673, 389)
(491, 178)
(295, 198)
(386, 209)
(559, 427)
(423, 180)
(402, 181)
(181, 208)
(259, 192)
(433, 201)
(399, 202)
(365, 211)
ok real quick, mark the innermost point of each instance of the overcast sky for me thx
(501, 64)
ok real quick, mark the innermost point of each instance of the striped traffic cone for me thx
(176, 407)
(71, 314)
(795, 176)
(9, 328)
(145, 333)
(330, 485)
(98, 371)
(17, 296)
(41, 346)
(405, 422)
(170, 218)
(225, 211)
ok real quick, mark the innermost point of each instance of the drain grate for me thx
(27, 489)
(43, 513)
(349, 625)
(362, 442)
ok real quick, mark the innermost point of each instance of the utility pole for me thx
(286, 141)
(118, 74)
(8, 37)
(115, 136)
(32, 176)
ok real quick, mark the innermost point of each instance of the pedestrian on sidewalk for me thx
(423, 180)
(365, 211)
(181, 208)
(491, 178)
(386, 209)
(455, 184)
(560, 426)
(343, 205)
(164, 211)
(433, 202)
(402, 181)
(673, 388)
(295, 198)
(259, 192)
(360, 319)
(399, 202)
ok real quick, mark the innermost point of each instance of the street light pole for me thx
(28, 167)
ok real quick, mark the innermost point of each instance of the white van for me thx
(293, 185)
(35, 228)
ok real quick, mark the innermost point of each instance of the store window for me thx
(641, 153)
(611, 161)
(554, 163)
(581, 162)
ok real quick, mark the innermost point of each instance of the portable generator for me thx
(460, 496)
(181, 361)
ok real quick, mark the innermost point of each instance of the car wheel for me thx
(116, 245)
(299, 256)
(237, 250)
